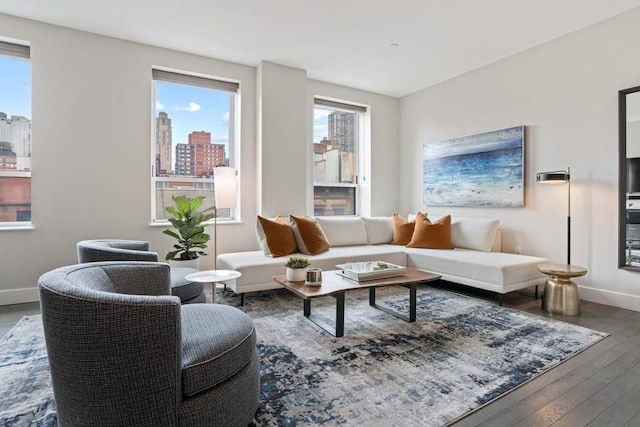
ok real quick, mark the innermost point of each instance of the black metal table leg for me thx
(307, 307)
(413, 300)
(412, 303)
(338, 331)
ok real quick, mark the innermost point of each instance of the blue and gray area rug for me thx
(460, 354)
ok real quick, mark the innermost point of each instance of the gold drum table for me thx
(560, 293)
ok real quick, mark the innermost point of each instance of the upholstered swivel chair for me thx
(135, 250)
(123, 351)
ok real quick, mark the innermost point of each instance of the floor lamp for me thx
(560, 177)
(224, 181)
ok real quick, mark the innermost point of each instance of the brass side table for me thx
(560, 293)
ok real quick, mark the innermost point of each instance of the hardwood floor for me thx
(598, 387)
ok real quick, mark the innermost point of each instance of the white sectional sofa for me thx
(476, 260)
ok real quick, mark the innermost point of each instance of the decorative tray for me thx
(370, 270)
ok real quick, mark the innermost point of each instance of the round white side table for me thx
(560, 293)
(213, 277)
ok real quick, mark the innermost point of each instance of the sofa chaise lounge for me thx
(475, 261)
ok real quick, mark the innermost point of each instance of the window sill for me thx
(16, 227)
(220, 223)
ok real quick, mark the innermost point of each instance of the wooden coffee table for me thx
(335, 285)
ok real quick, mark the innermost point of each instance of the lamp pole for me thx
(568, 215)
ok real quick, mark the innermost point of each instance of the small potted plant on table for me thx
(297, 269)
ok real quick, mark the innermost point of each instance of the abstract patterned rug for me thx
(460, 354)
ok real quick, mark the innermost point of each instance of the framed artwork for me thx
(486, 169)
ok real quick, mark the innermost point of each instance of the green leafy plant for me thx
(189, 223)
(295, 262)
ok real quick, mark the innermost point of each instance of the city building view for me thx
(15, 168)
(335, 162)
(185, 168)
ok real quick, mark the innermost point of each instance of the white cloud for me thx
(220, 139)
(159, 105)
(320, 131)
(225, 117)
(320, 113)
(193, 107)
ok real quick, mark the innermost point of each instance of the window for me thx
(15, 135)
(194, 131)
(336, 143)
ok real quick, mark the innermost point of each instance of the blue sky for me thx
(15, 87)
(320, 123)
(194, 109)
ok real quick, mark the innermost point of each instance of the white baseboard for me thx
(18, 296)
(616, 299)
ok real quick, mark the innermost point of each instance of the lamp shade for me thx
(553, 177)
(633, 175)
(224, 179)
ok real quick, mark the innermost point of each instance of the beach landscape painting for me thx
(485, 169)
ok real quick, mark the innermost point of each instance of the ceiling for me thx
(345, 42)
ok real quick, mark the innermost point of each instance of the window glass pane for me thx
(15, 140)
(335, 160)
(192, 136)
(335, 146)
(334, 200)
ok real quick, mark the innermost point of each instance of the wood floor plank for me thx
(562, 405)
(582, 414)
(621, 412)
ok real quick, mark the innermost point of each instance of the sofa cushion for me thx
(275, 236)
(402, 230)
(498, 270)
(212, 355)
(309, 235)
(344, 230)
(183, 288)
(474, 233)
(431, 235)
(379, 229)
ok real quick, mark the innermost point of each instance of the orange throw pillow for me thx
(402, 230)
(275, 236)
(428, 235)
(309, 236)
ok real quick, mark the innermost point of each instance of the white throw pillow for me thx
(343, 230)
(379, 229)
(474, 233)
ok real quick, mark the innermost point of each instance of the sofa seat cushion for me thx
(181, 287)
(257, 268)
(500, 269)
(217, 342)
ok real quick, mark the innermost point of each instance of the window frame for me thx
(185, 78)
(20, 50)
(360, 111)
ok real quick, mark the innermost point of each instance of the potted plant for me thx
(297, 269)
(189, 223)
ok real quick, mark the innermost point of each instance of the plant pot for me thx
(296, 274)
(190, 263)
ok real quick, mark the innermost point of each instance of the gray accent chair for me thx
(124, 352)
(136, 250)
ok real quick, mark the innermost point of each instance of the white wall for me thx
(565, 92)
(282, 133)
(92, 118)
